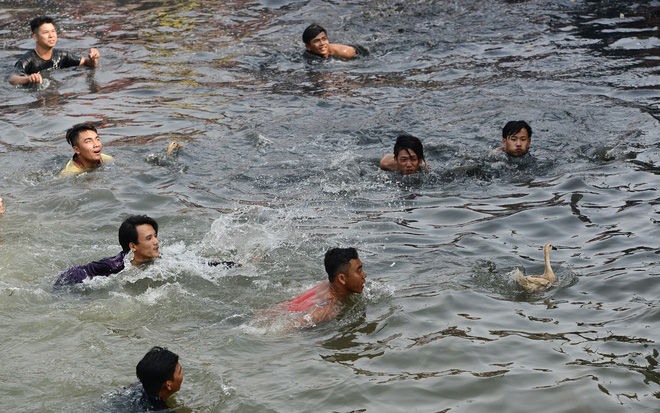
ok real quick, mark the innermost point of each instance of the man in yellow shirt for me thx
(87, 147)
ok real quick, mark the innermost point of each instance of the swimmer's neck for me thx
(86, 165)
(335, 291)
(46, 53)
(141, 263)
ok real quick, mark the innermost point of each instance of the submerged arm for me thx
(226, 264)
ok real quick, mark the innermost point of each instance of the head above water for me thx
(128, 231)
(159, 369)
(409, 153)
(345, 271)
(516, 137)
(73, 133)
(37, 22)
(311, 32)
(515, 126)
(338, 260)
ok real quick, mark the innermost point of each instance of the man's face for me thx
(147, 245)
(517, 144)
(319, 45)
(407, 161)
(46, 36)
(355, 277)
(177, 379)
(88, 148)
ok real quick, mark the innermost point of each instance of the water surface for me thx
(279, 164)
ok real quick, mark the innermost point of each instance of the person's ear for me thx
(76, 149)
(308, 47)
(132, 246)
(341, 277)
(168, 385)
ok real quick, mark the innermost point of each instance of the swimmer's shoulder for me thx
(107, 158)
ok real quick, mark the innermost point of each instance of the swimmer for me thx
(161, 376)
(87, 147)
(138, 233)
(516, 138)
(408, 156)
(323, 302)
(316, 42)
(44, 56)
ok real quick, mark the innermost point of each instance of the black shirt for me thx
(135, 399)
(31, 63)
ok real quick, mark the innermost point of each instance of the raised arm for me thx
(342, 51)
(92, 59)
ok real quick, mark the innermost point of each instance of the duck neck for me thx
(548, 274)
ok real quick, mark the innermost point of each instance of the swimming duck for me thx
(172, 147)
(534, 283)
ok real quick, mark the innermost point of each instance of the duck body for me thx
(534, 283)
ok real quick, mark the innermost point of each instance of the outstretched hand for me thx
(92, 59)
(93, 54)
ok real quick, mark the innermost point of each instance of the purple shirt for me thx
(101, 268)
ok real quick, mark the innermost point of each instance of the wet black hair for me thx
(515, 126)
(311, 32)
(406, 142)
(155, 368)
(338, 260)
(128, 233)
(73, 133)
(36, 23)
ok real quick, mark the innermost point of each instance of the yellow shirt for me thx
(72, 169)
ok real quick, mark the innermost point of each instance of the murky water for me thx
(279, 163)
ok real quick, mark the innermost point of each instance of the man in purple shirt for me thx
(138, 233)
(44, 56)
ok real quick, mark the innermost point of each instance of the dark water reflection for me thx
(280, 162)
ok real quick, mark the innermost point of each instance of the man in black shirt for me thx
(160, 373)
(44, 56)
